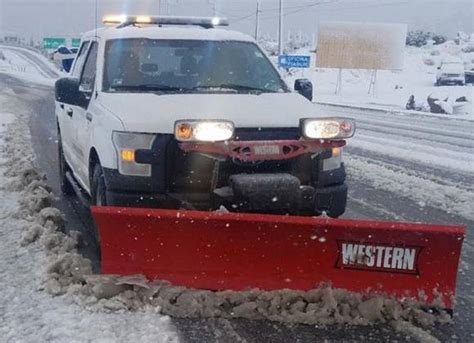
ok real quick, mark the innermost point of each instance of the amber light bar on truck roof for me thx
(125, 20)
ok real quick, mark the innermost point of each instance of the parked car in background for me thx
(451, 72)
(469, 72)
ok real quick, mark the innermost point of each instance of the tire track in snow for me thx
(419, 128)
(455, 143)
(415, 151)
(388, 116)
(449, 198)
(415, 168)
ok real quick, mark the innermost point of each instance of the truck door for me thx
(66, 113)
(84, 117)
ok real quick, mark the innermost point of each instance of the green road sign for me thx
(76, 42)
(53, 43)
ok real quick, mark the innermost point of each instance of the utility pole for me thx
(280, 30)
(163, 7)
(257, 20)
(214, 7)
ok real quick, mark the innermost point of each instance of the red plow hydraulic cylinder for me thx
(218, 251)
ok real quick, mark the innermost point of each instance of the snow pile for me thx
(325, 305)
(41, 222)
(38, 260)
(68, 273)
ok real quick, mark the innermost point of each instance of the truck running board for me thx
(218, 251)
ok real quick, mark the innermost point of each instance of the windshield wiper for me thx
(236, 87)
(148, 87)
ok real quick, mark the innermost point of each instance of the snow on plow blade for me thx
(217, 251)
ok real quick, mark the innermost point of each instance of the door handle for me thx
(89, 116)
(69, 112)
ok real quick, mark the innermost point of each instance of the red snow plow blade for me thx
(217, 251)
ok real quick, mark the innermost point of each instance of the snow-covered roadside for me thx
(393, 88)
(28, 313)
(17, 65)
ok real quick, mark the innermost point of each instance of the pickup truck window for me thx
(141, 65)
(89, 72)
(81, 56)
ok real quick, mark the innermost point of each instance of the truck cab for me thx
(173, 112)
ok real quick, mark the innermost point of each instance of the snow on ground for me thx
(393, 88)
(16, 64)
(49, 292)
(427, 159)
(27, 312)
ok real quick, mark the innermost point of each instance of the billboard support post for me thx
(373, 83)
(339, 82)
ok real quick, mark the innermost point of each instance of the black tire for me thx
(337, 204)
(66, 187)
(98, 187)
(336, 211)
(98, 196)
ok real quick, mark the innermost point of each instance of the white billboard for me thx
(348, 45)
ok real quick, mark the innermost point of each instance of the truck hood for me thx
(157, 113)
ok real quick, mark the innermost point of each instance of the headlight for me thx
(203, 131)
(328, 128)
(126, 144)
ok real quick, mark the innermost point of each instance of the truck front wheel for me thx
(99, 188)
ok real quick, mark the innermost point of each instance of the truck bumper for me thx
(285, 196)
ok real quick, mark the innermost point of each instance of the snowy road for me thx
(403, 167)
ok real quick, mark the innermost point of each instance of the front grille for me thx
(266, 134)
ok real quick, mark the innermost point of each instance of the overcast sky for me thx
(69, 18)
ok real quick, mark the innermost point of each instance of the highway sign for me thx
(75, 42)
(294, 61)
(53, 43)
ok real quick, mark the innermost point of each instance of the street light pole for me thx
(280, 30)
(257, 20)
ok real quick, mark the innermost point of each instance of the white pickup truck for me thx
(172, 112)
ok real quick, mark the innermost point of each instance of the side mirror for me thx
(67, 91)
(305, 88)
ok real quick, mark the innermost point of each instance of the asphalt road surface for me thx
(366, 200)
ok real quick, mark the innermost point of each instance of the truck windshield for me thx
(148, 65)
